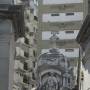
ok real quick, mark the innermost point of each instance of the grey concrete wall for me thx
(4, 64)
(5, 57)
